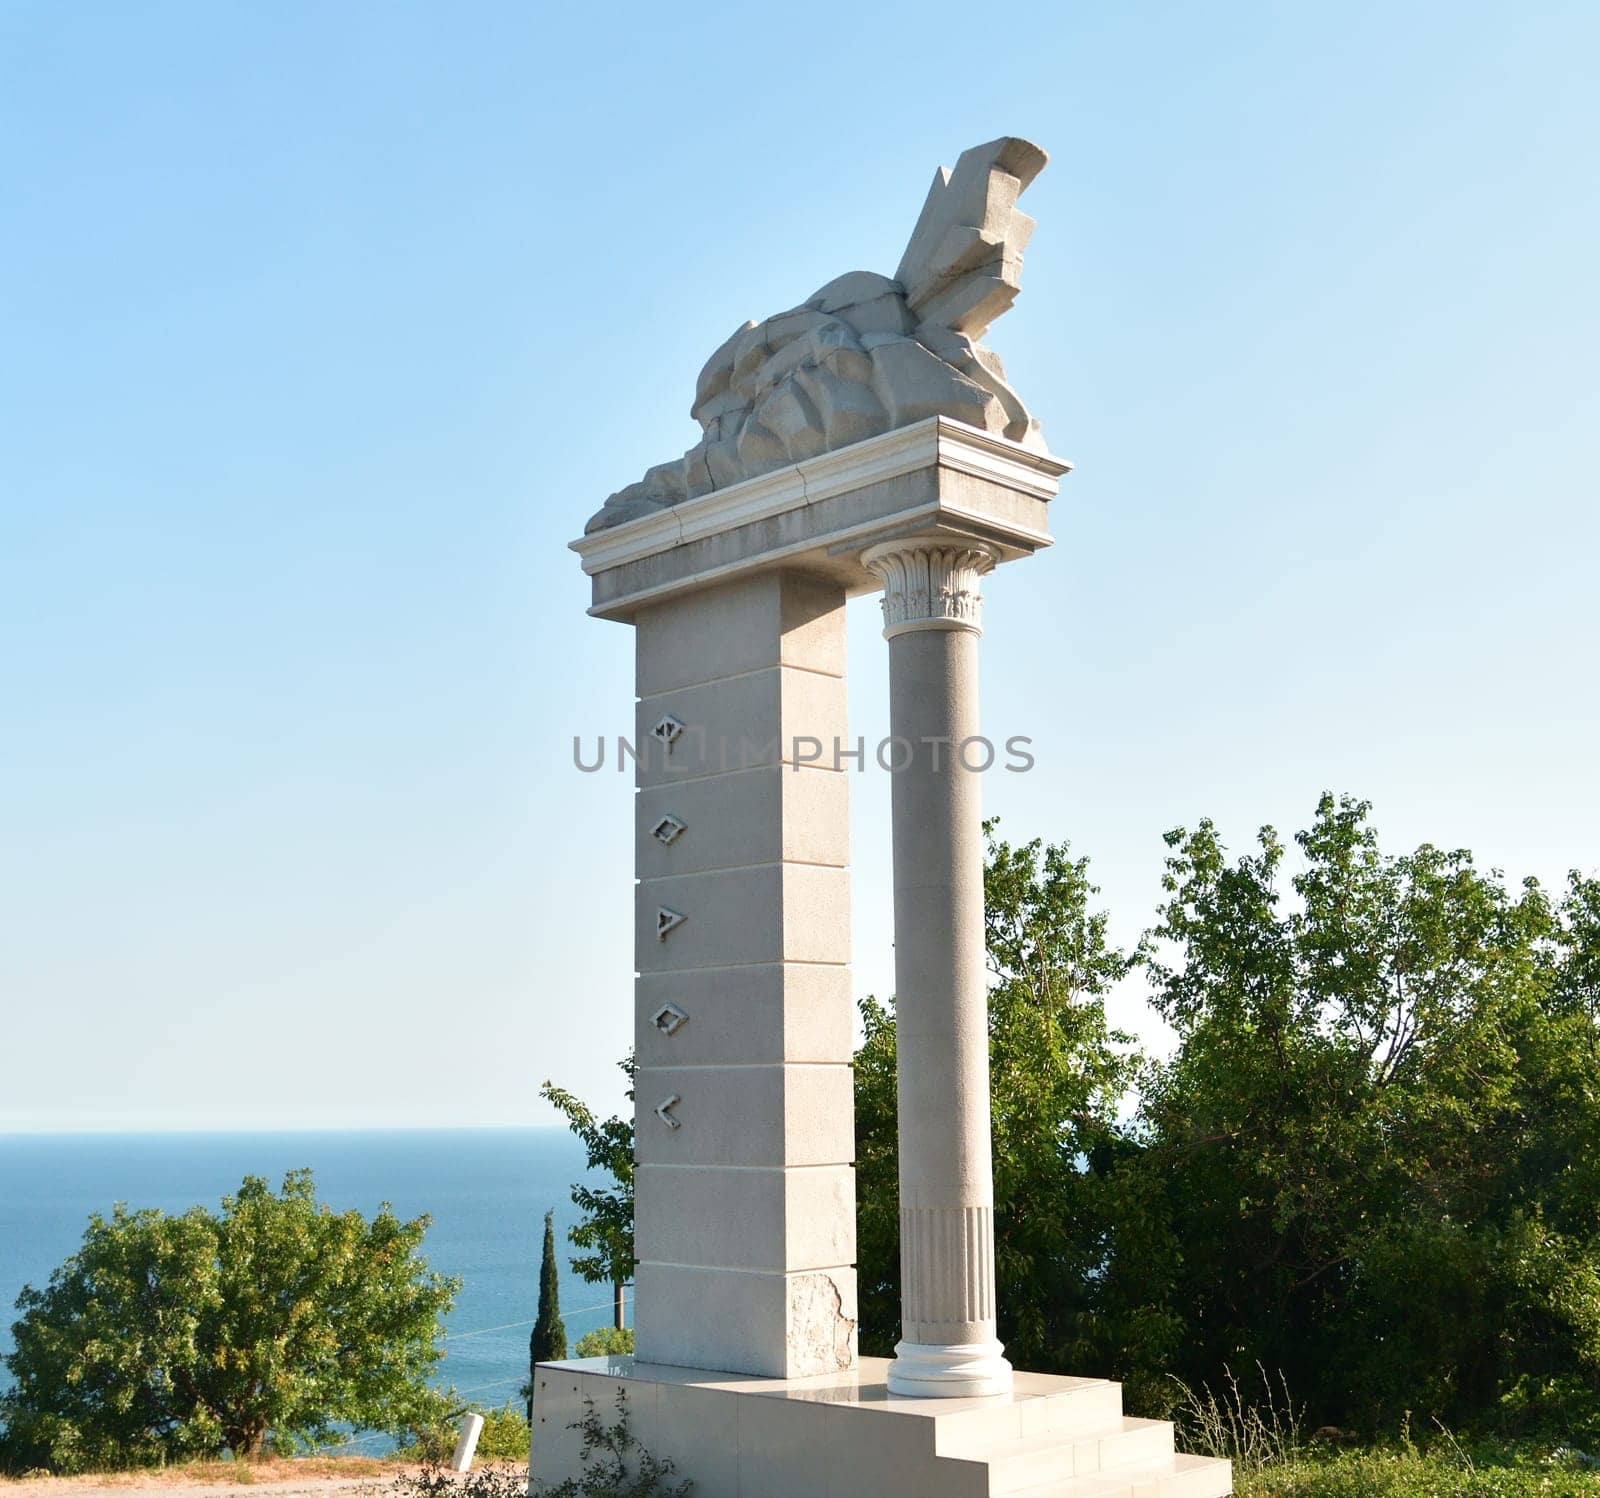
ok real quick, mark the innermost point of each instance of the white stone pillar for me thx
(931, 606)
(744, 1192)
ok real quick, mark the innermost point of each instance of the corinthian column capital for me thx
(931, 583)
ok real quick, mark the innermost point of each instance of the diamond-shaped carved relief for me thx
(669, 1019)
(668, 830)
(668, 921)
(664, 1111)
(669, 730)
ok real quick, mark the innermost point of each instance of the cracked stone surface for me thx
(868, 353)
(822, 1339)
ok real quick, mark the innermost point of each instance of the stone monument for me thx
(863, 441)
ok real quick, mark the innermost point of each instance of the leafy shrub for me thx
(609, 1451)
(605, 1342)
(504, 1438)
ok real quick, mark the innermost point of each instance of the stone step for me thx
(1023, 1462)
(1179, 1476)
(1095, 1404)
(1061, 1405)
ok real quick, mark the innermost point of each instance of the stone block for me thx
(769, 1116)
(697, 1430)
(766, 716)
(773, 1325)
(560, 1394)
(769, 913)
(771, 1220)
(762, 815)
(766, 1013)
(557, 1405)
(778, 1448)
(769, 619)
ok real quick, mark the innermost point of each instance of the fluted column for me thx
(931, 619)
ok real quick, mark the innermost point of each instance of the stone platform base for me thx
(846, 1436)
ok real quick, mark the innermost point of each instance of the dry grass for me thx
(1253, 1435)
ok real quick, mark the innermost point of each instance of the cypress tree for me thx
(548, 1342)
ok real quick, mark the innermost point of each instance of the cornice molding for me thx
(938, 441)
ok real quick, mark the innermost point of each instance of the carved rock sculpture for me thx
(867, 354)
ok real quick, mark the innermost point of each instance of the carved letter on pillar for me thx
(668, 830)
(669, 1018)
(669, 730)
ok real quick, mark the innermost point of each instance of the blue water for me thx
(486, 1190)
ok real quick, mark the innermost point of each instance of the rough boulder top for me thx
(868, 353)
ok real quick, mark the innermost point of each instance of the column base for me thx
(949, 1370)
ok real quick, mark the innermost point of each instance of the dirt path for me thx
(181, 1487)
(285, 1479)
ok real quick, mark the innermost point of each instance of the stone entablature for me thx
(939, 479)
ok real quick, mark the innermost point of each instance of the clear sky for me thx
(324, 327)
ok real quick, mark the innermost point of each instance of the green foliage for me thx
(548, 1342)
(605, 1342)
(877, 1183)
(1371, 1164)
(504, 1437)
(1385, 1084)
(606, 1228)
(615, 1465)
(165, 1338)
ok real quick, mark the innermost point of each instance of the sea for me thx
(487, 1191)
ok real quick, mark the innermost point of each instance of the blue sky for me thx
(325, 327)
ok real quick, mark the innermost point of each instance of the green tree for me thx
(606, 1226)
(171, 1337)
(548, 1341)
(1373, 1161)
(1058, 1073)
